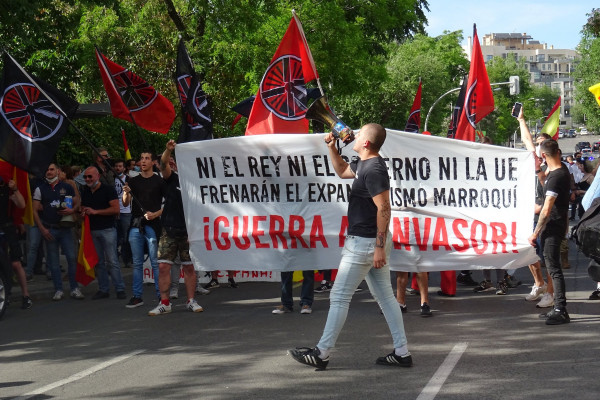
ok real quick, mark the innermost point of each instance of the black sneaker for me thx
(558, 317)
(501, 288)
(412, 292)
(511, 282)
(403, 308)
(232, 283)
(395, 361)
(465, 279)
(27, 303)
(100, 295)
(29, 277)
(135, 302)
(323, 287)
(595, 295)
(484, 286)
(308, 356)
(121, 295)
(444, 294)
(425, 310)
(212, 284)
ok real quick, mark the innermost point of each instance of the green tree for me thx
(588, 74)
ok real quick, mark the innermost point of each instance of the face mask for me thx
(137, 169)
(92, 185)
(51, 181)
(538, 151)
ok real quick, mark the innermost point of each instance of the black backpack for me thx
(587, 232)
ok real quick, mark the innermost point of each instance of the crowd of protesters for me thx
(135, 208)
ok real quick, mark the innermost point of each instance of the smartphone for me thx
(516, 109)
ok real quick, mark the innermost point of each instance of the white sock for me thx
(324, 353)
(401, 351)
(323, 282)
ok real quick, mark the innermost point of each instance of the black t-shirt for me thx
(172, 215)
(371, 179)
(99, 200)
(558, 183)
(148, 191)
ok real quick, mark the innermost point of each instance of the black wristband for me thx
(538, 171)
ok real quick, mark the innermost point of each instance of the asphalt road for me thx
(476, 346)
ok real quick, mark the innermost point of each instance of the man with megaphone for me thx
(366, 250)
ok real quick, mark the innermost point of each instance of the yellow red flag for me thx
(87, 258)
(595, 89)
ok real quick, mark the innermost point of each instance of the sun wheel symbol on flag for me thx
(28, 113)
(199, 101)
(136, 93)
(282, 89)
(471, 104)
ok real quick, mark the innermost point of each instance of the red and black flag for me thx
(413, 124)
(479, 98)
(196, 123)
(133, 99)
(280, 105)
(457, 112)
(34, 118)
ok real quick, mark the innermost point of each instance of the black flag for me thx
(196, 123)
(457, 111)
(33, 118)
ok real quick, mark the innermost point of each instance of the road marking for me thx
(79, 375)
(437, 380)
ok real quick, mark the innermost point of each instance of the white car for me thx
(586, 152)
(584, 131)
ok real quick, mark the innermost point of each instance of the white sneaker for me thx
(201, 290)
(58, 295)
(160, 309)
(536, 292)
(193, 306)
(306, 309)
(76, 294)
(547, 301)
(174, 293)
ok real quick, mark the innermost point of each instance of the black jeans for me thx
(551, 252)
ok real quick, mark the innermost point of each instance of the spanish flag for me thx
(87, 258)
(596, 92)
(553, 121)
(21, 178)
(125, 146)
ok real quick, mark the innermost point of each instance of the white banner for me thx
(273, 202)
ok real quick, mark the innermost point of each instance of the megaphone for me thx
(319, 111)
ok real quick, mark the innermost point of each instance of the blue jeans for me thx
(105, 242)
(308, 285)
(356, 265)
(64, 238)
(136, 241)
(34, 237)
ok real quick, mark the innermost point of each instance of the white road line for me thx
(437, 380)
(79, 375)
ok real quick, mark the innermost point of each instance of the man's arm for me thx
(15, 195)
(165, 168)
(341, 167)
(543, 219)
(525, 134)
(384, 214)
(112, 209)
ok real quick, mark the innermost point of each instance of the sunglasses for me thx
(87, 176)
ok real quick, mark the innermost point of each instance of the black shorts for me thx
(12, 239)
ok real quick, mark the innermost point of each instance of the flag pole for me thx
(115, 87)
(312, 62)
(94, 148)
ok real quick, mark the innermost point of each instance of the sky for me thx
(557, 23)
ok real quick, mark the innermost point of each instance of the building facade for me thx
(546, 65)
